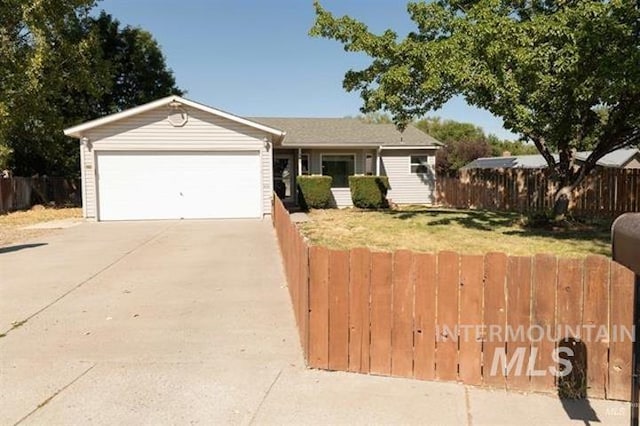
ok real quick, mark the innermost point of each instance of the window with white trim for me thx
(419, 164)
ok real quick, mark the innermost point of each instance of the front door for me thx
(283, 176)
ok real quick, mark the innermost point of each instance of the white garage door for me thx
(200, 185)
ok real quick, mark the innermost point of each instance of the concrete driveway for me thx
(154, 322)
(190, 322)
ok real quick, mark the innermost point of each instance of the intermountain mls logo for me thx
(558, 360)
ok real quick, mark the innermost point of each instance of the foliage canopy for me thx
(563, 74)
(60, 66)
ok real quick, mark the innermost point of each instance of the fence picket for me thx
(447, 315)
(596, 290)
(424, 266)
(471, 284)
(303, 303)
(402, 328)
(494, 318)
(380, 313)
(319, 307)
(338, 310)
(621, 292)
(359, 291)
(545, 271)
(518, 319)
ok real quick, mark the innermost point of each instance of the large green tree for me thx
(463, 143)
(88, 67)
(563, 74)
(136, 68)
(43, 52)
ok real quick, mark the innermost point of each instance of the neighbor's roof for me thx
(334, 132)
(617, 158)
(77, 131)
(514, 162)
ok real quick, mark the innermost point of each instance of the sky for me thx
(255, 57)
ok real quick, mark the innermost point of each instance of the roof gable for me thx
(77, 131)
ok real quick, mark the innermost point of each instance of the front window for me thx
(339, 167)
(419, 164)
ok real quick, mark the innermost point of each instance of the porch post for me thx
(299, 173)
(378, 161)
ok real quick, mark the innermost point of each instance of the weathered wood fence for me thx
(448, 316)
(18, 193)
(606, 192)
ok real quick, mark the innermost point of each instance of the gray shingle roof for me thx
(344, 131)
(515, 162)
(617, 158)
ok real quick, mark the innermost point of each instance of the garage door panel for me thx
(179, 185)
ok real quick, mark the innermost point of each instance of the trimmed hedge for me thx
(369, 192)
(315, 192)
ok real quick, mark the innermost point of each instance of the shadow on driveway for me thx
(9, 249)
(580, 409)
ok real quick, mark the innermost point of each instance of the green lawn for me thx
(465, 231)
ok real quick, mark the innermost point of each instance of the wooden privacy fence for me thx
(606, 192)
(18, 193)
(450, 316)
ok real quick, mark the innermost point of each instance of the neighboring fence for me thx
(431, 316)
(18, 193)
(606, 192)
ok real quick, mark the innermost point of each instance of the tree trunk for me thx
(563, 199)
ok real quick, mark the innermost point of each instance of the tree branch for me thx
(544, 149)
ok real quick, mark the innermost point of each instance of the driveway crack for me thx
(17, 324)
(56, 393)
(266, 394)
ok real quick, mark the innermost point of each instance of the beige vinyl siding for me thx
(407, 187)
(151, 131)
(342, 197)
(633, 164)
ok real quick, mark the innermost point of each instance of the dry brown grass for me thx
(12, 224)
(431, 230)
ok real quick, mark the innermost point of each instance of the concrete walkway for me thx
(190, 322)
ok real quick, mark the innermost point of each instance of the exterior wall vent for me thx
(177, 117)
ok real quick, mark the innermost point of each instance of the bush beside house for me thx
(315, 192)
(369, 192)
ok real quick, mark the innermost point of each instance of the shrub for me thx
(369, 192)
(314, 192)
